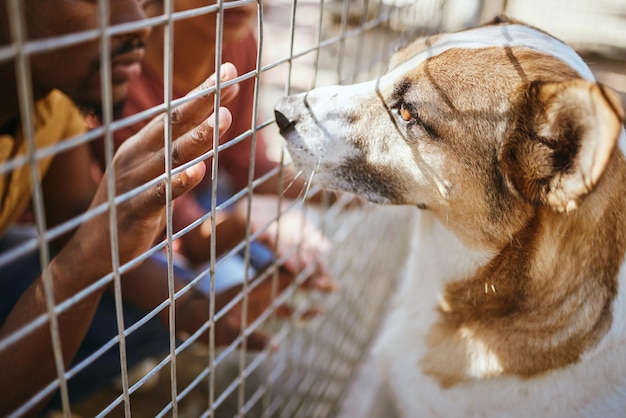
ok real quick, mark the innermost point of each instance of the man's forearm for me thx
(28, 364)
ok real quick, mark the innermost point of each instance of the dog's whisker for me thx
(293, 180)
(310, 180)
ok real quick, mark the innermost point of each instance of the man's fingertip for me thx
(225, 119)
(196, 173)
(228, 71)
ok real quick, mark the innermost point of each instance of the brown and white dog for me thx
(514, 302)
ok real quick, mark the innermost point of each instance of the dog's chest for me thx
(594, 387)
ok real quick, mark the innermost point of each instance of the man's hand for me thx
(142, 159)
(87, 255)
(299, 239)
(261, 297)
(305, 248)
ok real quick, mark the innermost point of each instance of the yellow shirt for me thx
(56, 118)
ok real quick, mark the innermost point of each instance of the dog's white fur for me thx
(439, 352)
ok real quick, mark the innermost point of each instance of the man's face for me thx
(237, 20)
(75, 70)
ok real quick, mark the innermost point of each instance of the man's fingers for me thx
(289, 312)
(318, 280)
(323, 283)
(189, 114)
(191, 145)
(188, 179)
(200, 139)
(228, 72)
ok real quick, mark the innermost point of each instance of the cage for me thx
(135, 354)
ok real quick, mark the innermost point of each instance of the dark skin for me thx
(69, 184)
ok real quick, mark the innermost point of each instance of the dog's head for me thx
(471, 125)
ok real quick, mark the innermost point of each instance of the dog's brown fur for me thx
(506, 306)
(516, 169)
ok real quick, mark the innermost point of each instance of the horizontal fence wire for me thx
(317, 341)
(270, 382)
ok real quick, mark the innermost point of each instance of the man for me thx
(27, 362)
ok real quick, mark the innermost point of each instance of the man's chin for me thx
(94, 114)
(119, 92)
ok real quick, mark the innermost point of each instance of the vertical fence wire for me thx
(267, 386)
(168, 78)
(285, 391)
(318, 41)
(253, 143)
(18, 32)
(107, 118)
(214, 177)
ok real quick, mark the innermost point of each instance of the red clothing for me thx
(147, 92)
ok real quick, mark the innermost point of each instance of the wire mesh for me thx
(277, 381)
(310, 363)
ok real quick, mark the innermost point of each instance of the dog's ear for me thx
(563, 142)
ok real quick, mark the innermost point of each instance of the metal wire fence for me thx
(307, 368)
(315, 358)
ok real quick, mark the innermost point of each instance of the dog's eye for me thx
(405, 113)
(413, 120)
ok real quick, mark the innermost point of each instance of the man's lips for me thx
(236, 16)
(127, 66)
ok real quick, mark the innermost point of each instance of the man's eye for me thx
(405, 113)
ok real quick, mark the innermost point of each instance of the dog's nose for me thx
(283, 121)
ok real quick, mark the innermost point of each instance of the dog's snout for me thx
(283, 121)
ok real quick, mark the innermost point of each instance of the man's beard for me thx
(94, 114)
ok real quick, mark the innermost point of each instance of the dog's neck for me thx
(542, 300)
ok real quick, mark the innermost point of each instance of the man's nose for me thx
(129, 11)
